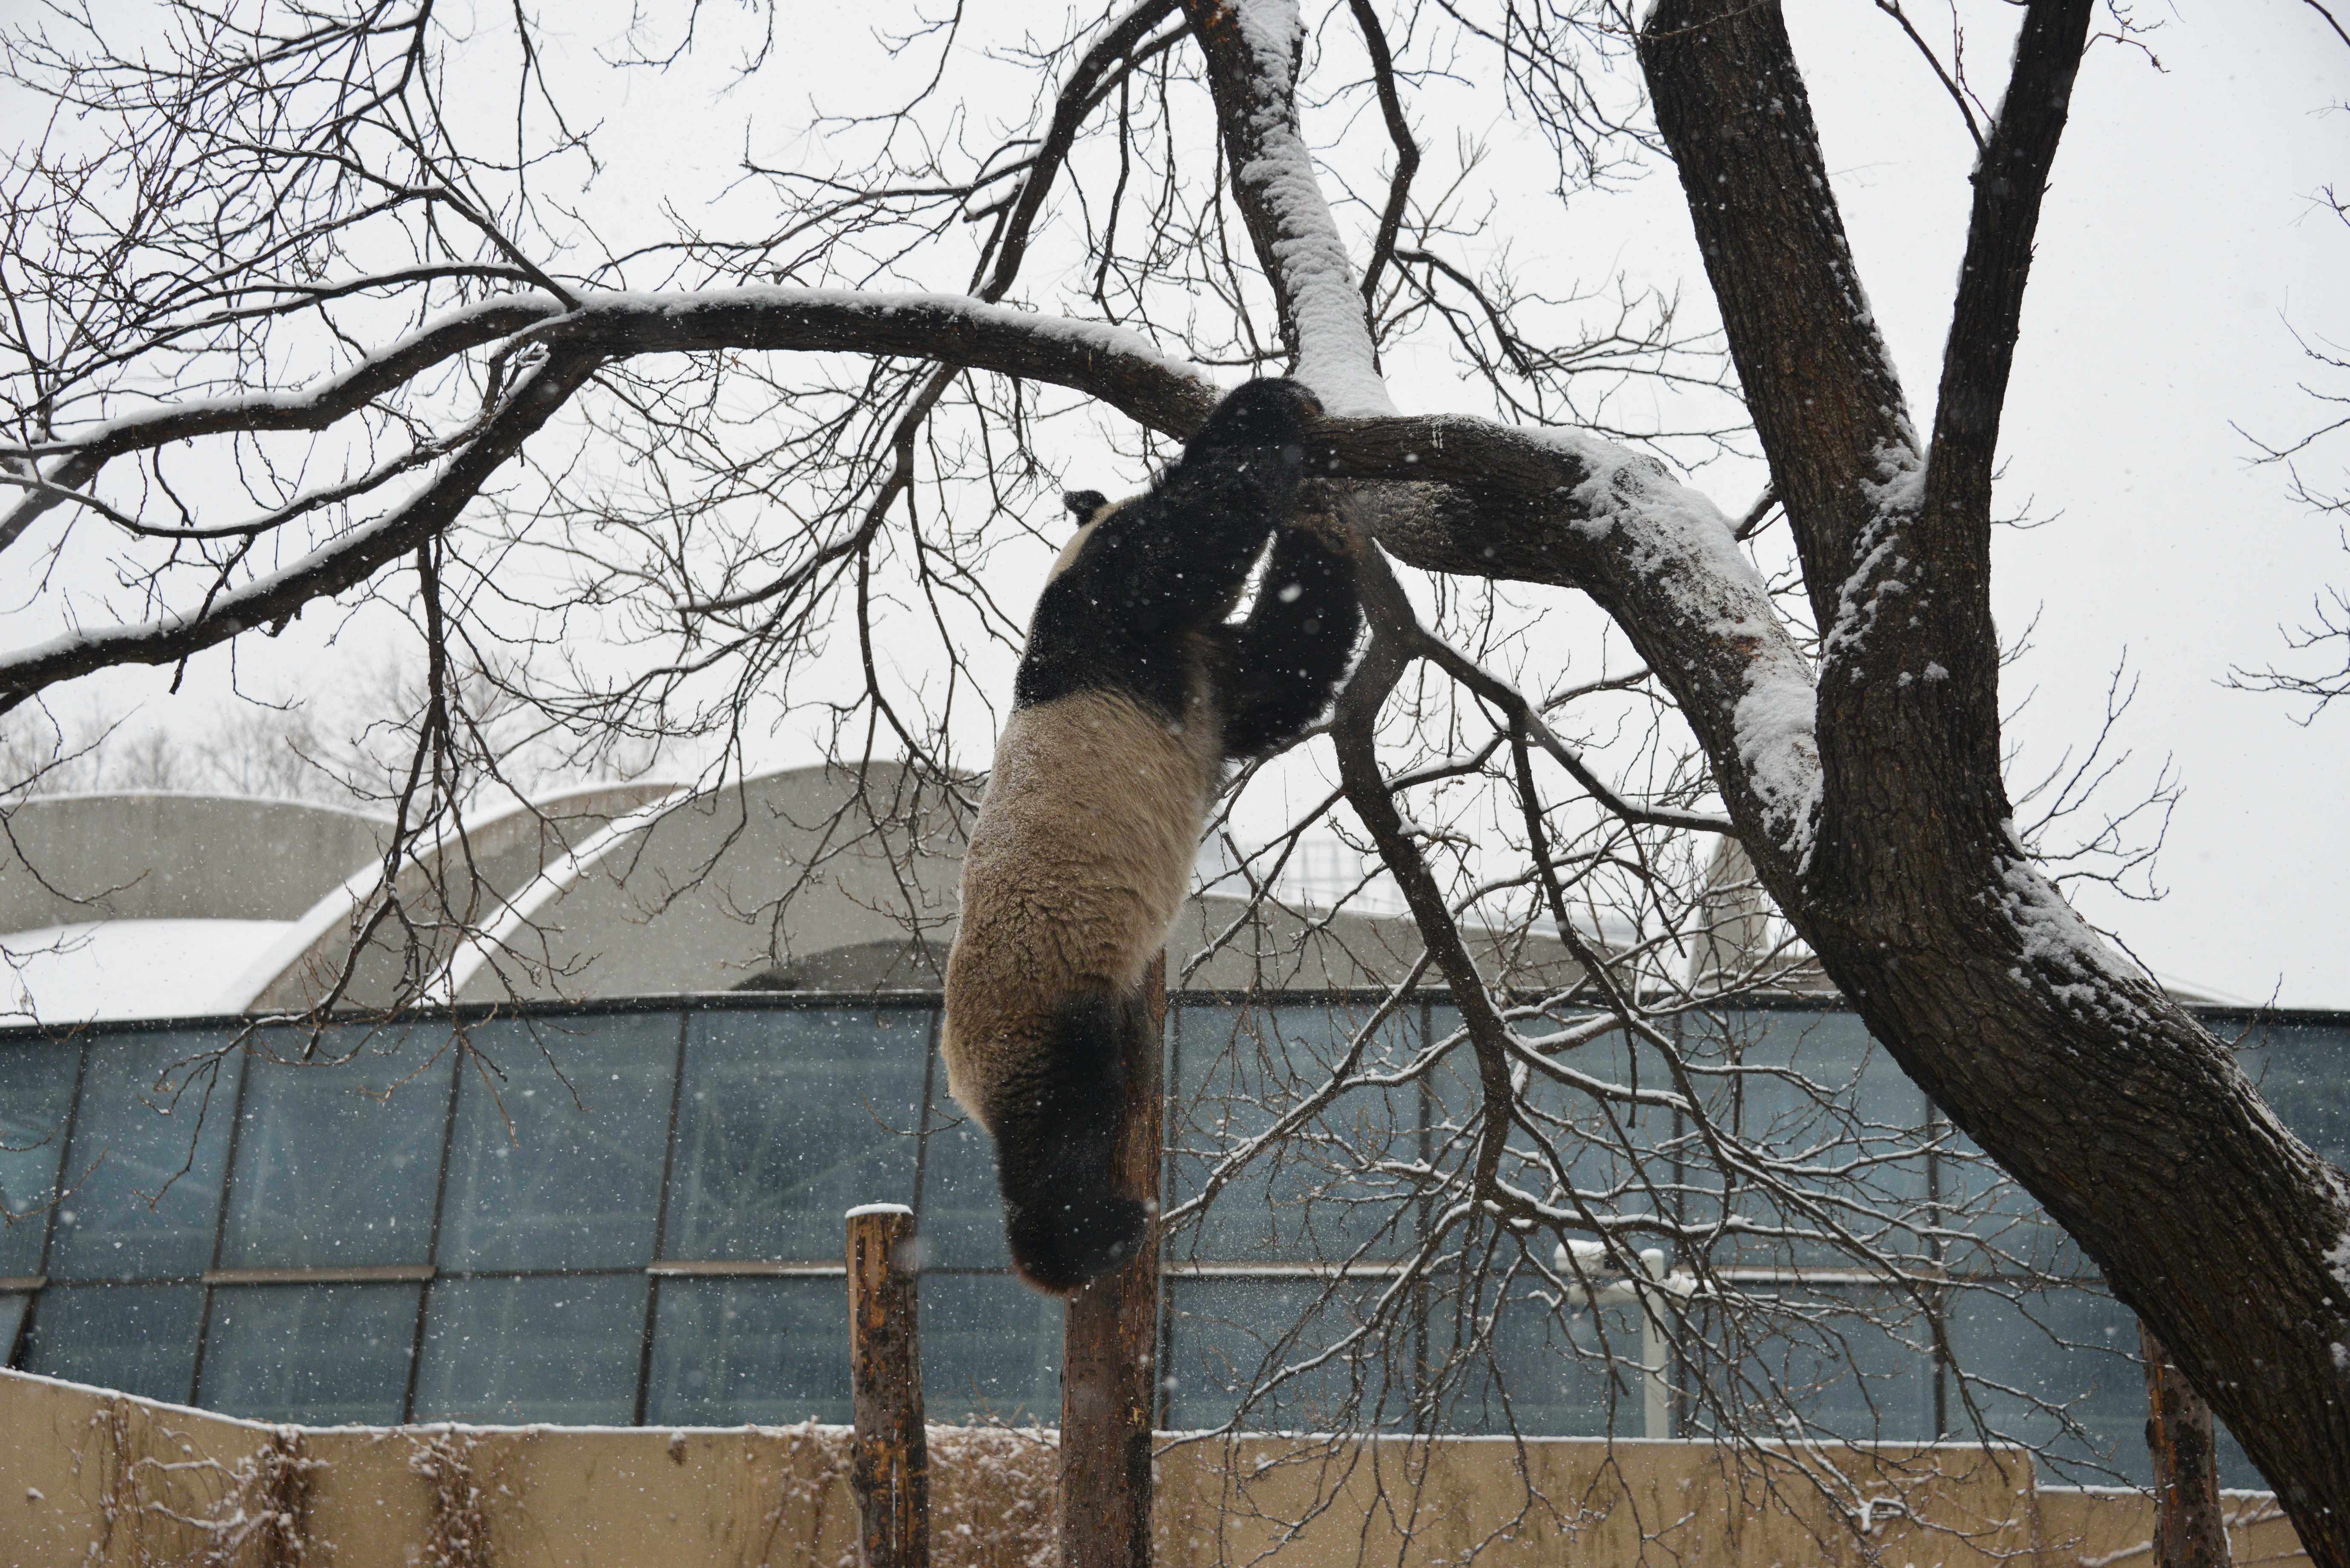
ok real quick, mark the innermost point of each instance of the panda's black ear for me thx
(1084, 503)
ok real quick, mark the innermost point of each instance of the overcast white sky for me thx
(2180, 238)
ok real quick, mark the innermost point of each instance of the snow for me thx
(2073, 960)
(1677, 538)
(864, 1209)
(128, 969)
(1335, 354)
(1778, 743)
(1899, 492)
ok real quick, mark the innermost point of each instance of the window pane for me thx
(36, 1079)
(787, 1119)
(2072, 1350)
(1999, 1228)
(2065, 1353)
(140, 1339)
(556, 1162)
(1237, 1071)
(318, 1354)
(991, 1351)
(1615, 1152)
(769, 1352)
(1505, 1356)
(337, 1159)
(1230, 1336)
(963, 1213)
(562, 1349)
(152, 1122)
(1852, 1364)
(2303, 1070)
(1814, 1089)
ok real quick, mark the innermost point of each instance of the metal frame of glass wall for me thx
(630, 1213)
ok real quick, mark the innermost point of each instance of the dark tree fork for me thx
(1867, 793)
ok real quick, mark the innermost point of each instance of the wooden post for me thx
(889, 1462)
(1110, 1345)
(2189, 1530)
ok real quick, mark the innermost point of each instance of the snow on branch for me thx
(82, 456)
(1564, 508)
(1252, 48)
(277, 596)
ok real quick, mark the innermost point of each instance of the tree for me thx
(284, 236)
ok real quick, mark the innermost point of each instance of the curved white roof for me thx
(127, 969)
(817, 878)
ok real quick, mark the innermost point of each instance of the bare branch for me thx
(2009, 183)
(281, 594)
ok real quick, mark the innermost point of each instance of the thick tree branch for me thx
(2009, 183)
(1546, 506)
(2050, 1050)
(1253, 47)
(1818, 380)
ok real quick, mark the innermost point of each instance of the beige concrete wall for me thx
(100, 1480)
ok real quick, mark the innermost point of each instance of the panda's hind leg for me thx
(1056, 1145)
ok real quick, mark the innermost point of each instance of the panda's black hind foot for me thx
(1063, 1247)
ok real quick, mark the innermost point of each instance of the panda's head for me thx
(1088, 507)
(1272, 411)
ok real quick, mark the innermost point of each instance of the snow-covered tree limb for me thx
(1254, 48)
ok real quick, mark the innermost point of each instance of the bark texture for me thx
(1110, 1352)
(2189, 1529)
(889, 1463)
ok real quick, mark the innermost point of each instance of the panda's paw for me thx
(1062, 1247)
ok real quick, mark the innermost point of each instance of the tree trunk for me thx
(2189, 1529)
(1110, 1352)
(2127, 1120)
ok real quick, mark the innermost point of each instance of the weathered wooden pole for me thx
(1109, 1346)
(2189, 1530)
(889, 1462)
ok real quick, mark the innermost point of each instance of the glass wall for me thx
(633, 1215)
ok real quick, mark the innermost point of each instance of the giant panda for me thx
(1133, 694)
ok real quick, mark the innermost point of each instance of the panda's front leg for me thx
(1290, 653)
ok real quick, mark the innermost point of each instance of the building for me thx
(618, 1202)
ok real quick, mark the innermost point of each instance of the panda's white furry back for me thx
(1133, 694)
